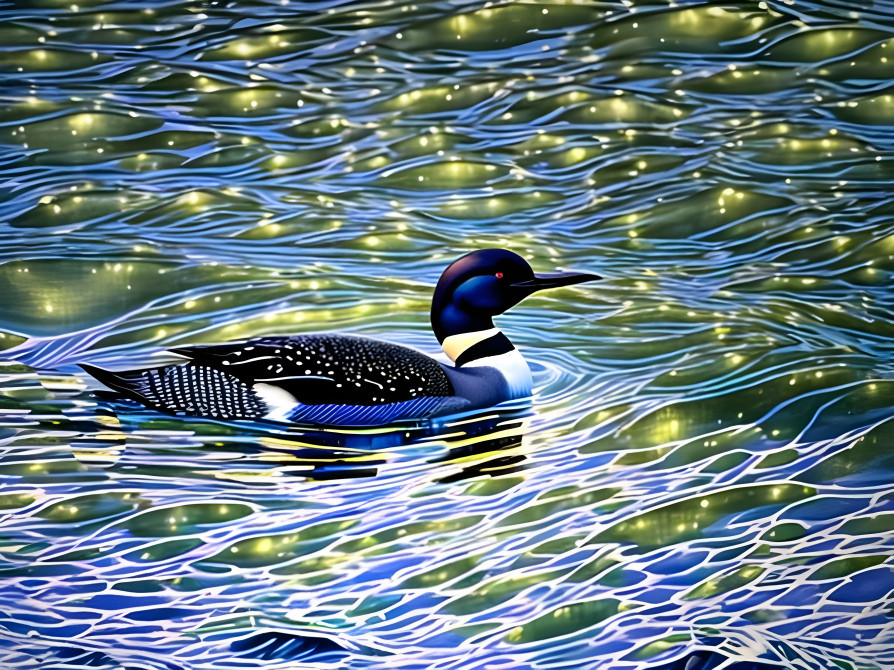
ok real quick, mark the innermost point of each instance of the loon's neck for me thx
(448, 320)
(472, 343)
(465, 347)
(490, 348)
(466, 338)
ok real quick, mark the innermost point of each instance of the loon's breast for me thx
(492, 379)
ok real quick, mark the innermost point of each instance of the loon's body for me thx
(344, 380)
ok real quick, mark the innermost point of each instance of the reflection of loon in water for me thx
(485, 443)
(343, 380)
(490, 443)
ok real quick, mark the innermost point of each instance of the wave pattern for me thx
(704, 477)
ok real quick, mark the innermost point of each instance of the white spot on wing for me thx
(279, 402)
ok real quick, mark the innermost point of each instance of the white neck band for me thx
(455, 345)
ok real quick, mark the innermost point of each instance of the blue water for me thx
(703, 477)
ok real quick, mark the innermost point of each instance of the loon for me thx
(345, 380)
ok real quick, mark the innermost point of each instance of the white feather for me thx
(514, 369)
(280, 403)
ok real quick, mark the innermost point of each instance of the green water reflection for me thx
(706, 463)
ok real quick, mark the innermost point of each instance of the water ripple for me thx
(703, 477)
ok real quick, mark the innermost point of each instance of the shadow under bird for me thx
(345, 380)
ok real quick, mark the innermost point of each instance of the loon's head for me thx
(485, 283)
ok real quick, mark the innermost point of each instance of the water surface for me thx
(705, 472)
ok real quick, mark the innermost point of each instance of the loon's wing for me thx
(328, 369)
(197, 390)
(186, 390)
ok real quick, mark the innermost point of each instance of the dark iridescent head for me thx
(485, 283)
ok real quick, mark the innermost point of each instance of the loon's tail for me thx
(185, 390)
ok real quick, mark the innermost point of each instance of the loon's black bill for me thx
(544, 280)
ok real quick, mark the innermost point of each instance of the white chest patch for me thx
(514, 369)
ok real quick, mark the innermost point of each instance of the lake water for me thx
(705, 473)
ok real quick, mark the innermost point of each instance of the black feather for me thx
(192, 390)
(323, 369)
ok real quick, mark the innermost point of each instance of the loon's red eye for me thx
(499, 275)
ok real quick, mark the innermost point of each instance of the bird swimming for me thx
(345, 380)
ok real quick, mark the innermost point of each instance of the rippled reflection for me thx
(704, 474)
